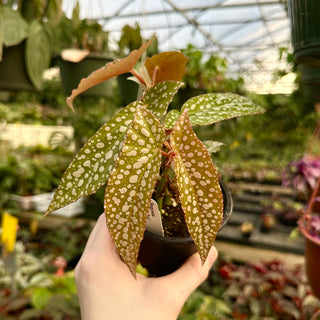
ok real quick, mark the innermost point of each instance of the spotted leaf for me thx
(171, 118)
(212, 146)
(169, 65)
(92, 165)
(159, 96)
(199, 190)
(214, 107)
(131, 184)
(109, 71)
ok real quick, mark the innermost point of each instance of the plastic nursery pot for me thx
(163, 255)
(128, 89)
(13, 69)
(312, 261)
(72, 73)
(305, 30)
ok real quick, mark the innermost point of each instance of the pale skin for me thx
(107, 289)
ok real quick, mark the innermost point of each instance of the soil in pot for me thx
(163, 255)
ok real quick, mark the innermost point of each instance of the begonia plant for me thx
(145, 152)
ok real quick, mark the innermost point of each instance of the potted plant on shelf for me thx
(148, 157)
(26, 42)
(83, 47)
(309, 226)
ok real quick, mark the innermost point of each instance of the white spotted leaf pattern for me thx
(214, 107)
(131, 184)
(92, 165)
(199, 189)
(160, 96)
(171, 118)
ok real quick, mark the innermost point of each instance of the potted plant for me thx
(83, 47)
(309, 226)
(26, 45)
(146, 156)
(302, 175)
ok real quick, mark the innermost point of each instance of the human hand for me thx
(107, 290)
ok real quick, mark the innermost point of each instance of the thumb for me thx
(192, 273)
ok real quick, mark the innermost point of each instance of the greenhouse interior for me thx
(137, 135)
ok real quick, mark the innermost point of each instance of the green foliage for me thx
(260, 290)
(26, 172)
(38, 53)
(38, 293)
(209, 73)
(200, 306)
(79, 33)
(131, 39)
(31, 27)
(15, 28)
(266, 143)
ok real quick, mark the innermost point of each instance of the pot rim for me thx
(227, 210)
(305, 233)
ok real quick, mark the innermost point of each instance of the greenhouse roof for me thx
(249, 33)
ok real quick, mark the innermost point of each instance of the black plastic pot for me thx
(305, 30)
(128, 89)
(13, 69)
(310, 78)
(163, 255)
(72, 73)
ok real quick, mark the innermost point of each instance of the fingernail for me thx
(212, 256)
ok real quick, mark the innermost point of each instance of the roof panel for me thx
(247, 32)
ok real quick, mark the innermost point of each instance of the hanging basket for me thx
(305, 30)
(13, 70)
(72, 73)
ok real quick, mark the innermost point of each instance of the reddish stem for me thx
(154, 74)
(165, 153)
(315, 193)
(137, 75)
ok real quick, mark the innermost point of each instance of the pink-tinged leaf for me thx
(214, 107)
(91, 167)
(131, 184)
(158, 97)
(109, 71)
(198, 184)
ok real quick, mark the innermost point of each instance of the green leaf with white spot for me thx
(171, 118)
(212, 146)
(131, 184)
(92, 165)
(214, 107)
(160, 96)
(199, 189)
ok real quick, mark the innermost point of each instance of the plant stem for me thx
(315, 193)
